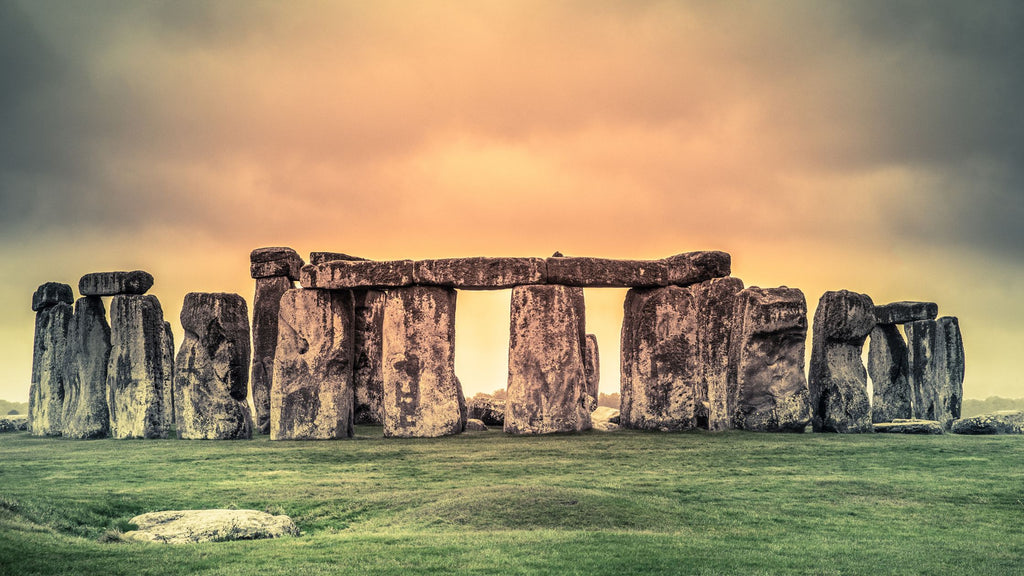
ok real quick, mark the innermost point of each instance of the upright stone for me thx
(136, 373)
(951, 386)
(114, 283)
(312, 394)
(265, 308)
(85, 399)
(766, 360)
(212, 368)
(924, 348)
(367, 373)
(716, 301)
(52, 304)
(275, 261)
(593, 369)
(422, 397)
(888, 369)
(837, 379)
(167, 345)
(547, 379)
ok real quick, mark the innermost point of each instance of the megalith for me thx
(592, 367)
(138, 370)
(837, 378)
(52, 305)
(951, 386)
(312, 395)
(766, 360)
(936, 359)
(211, 373)
(367, 372)
(716, 300)
(421, 395)
(547, 377)
(167, 347)
(113, 283)
(88, 352)
(888, 368)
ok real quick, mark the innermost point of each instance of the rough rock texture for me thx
(716, 303)
(422, 396)
(13, 424)
(275, 261)
(194, 526)
(490, 412)
(592, 368)
(474, 425)
(837, 379)
(694, 267)
(114, 283)
(167, 344)
(766, 360)
(888, 368)
(51, 293)
(547, 382)
(602, 419)
(1001, 422)
(605, 272)
(49, 357)
(265, 308)
(950, 387)
(903, 312)
(137, 373)
(936, 360)
(344, 274)
(312, 395)
(85, 380)
(321, 257)
(367, 376)
(480, 273)
(909, 426)
(212, 368)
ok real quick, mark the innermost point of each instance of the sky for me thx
(869, 146)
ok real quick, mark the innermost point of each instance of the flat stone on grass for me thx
(194, 526)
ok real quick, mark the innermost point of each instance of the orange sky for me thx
(825, 145)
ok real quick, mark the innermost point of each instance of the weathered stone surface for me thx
(167, 345)
(367, 376)
(312, 395)
(51, 293)
(114, 283)
(212, 368)
(936, 360)
(265, 308)
(321, 257)
(49, 356)
(606, 272)
(1001, 422)
(480, 273)
(602, 419)
(194, 526)
(592, 368)
(888, 368)
(903, 312)
(490, 412)
(344, 274)
(13, 424)
(766, 360)
(85, 380)
(837, 379)
(950, 387)
(716, 303)
(136, 373)
(275, 261)
(474, 425)
(547, 382)
(695, 267)
(422, 397)
(909, 426)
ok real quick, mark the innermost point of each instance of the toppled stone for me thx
(474, 425)
(695, 267)
(837, 379)
(547, 383)
(422, 397)
(212, 368)
(480, 273)
(312, 395)
(1000, 422)
(88, 352)
(275, 261)
(137, 373)
(321, 257)
(51, 293)
(490, 412)
(343, 274)
(766, 360)
(592, 368)
(888, 369)
(367, 375)
(114, 283)
(265, 308)
(909, 426)
(903, 312)
(936, 360)
(605, 272)
(602, 419)
(49, 357)
(194, 526)
(13, 424)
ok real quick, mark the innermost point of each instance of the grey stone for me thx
(837, 379)
(321, 257)
(766, 360)
(950, 387)
(490, 412)
(605, 272)
(275, 261)
(368, 377)
(167, 348)
(480, 273)
(13, 424)
(88, 352)
(343, 274)
(51, 293)
(602, 419)
(716, 303)
(474, 425)
(422, 397)
(909, 426)
(592, 367)
(888, 369)
(195, 526)
(695, 267)
(114, 283)
(936, 360)
(49, 357)
(547, 383)
(312, 395)
(212, 368)
(137, 373)
(903, 312)
(265, 308)
(1001, 422)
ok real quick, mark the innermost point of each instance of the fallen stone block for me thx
(480, 273)
(343, 274)
(1000, 422)
(275, 261)
(490, 412)
(837, 379)
(903, 312)
(474, 425)
(195, 526)
(909, 426)
(114, 283)
(605, 419)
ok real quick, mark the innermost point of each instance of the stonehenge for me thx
(889, 360)
(88, 352)
(138, 371)
(52, 305)
(837, 378)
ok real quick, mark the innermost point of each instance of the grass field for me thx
(595, 503)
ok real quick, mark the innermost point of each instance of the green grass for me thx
(617, 503)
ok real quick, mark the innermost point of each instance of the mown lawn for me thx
(596, 503)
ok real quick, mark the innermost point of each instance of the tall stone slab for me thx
(422, 397)
(766, 360)
(368, 377)
(52, 304)
(212, 368)
(167, 347)
(592, 367)
(888, 368)
(716, 302)
(312, 395)
(925, 348)
(547, 377)
(837, 379)
(137, 371)
(88, 352)
(265, 308)
(951, 384)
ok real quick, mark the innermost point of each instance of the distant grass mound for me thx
(616, 503)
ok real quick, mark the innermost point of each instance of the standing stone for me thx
(265, 308)
(312, 395)
(52, 303)
(716, 302)
(547, 379)
(167, 344)
(888, 369)
(766, 360)
(212, 368)
(85, 399)
(950, 387)
(367, 373)
(924, 347)
(592, 367)
(136, 373)
(422, 397)
(837, 379)
(114, 283)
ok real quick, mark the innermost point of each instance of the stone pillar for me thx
(367, 376)
(888, 369)
(936, 359)
(137, 373)
(422, 397)
(312, 394)
(167, 346)
(547, 380)
(766, 360)
(592, 368)
(951, 387)
(212, 368)
(716, 303)
(837, 380)
(52, 305)
(85, 400)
